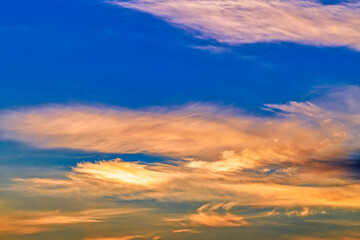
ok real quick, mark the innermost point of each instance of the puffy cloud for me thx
(242, 21)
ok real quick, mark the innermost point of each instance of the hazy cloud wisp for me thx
(242, 21)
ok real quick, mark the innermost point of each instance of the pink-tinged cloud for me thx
(243, 21)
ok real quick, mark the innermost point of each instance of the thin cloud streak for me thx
(242, 21)
(29, 223)
(186, 230)
(119, 238)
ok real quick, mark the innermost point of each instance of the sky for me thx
(180, 119)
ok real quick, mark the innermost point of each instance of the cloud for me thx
(118, 238)
(212, 49)
(128, 237)
(242, 21)
(219, 135)
(304, 213)
(337, 222)
(296, 157)
(207, 215)
(122, 172)
(210, 215)
(183, 183)
(28, 223)
(352, 237)
(298, 213)
(186, 230)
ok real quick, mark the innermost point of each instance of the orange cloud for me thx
(353, 237)
(207, 215)
(29, 223)
(130, 237)
(116, 238)
(203, 133)
(186, 230)
(183, 183)
(293, 158)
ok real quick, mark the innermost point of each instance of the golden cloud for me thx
(119, 238)
(297, 157)
(182, 183)
(202, 132)
(207, 215)
(28, 223)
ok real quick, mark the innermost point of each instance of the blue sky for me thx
(84, 81)
(90, 51)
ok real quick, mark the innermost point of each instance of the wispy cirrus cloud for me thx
(183, 183)
(34, 222)
(116, 238)
(297, 157)
(352, 237)
(207, 215)
(241, 21)
(207, 136)
(186, 230)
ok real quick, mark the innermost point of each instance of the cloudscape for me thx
(163, 119)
